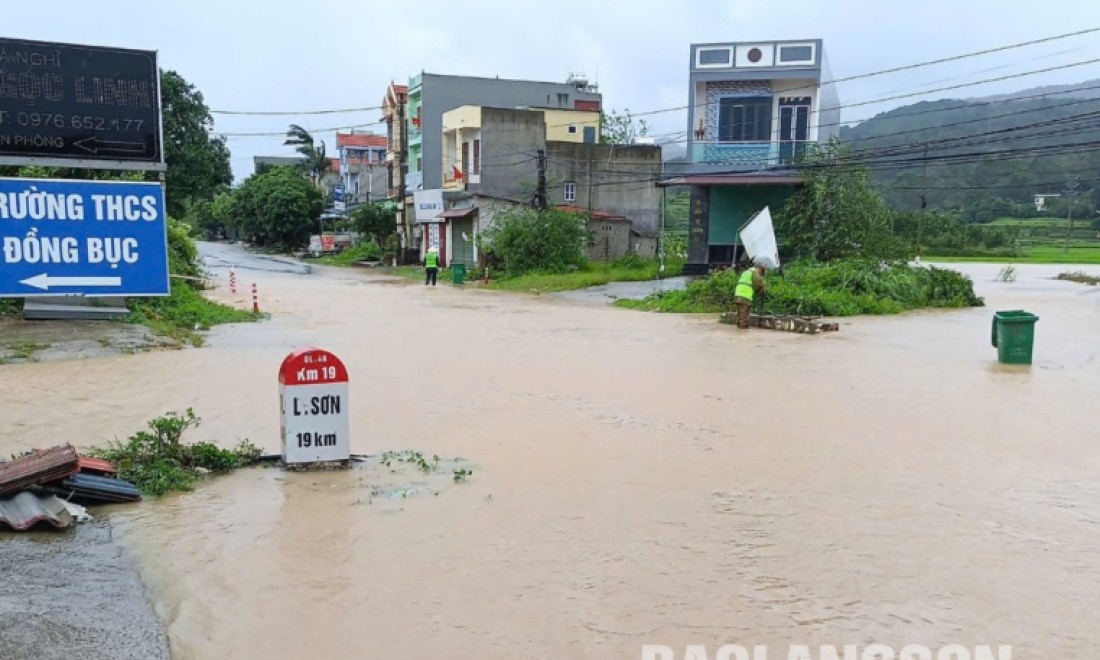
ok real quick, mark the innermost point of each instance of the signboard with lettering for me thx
(699, 225)
(61, 103)
(313, 389)
(96, 238)
(429, 204)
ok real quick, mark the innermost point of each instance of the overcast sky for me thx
(295, 55)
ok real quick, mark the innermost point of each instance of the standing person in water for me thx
(431, 266)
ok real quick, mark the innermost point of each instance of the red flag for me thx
(457, 172)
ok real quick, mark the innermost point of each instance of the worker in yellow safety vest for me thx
(431, 266)
(750, 283)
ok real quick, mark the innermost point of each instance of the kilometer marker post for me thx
(313, 393)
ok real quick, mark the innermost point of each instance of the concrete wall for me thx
(619, 179)
(610, 239)
(440, 94)
(509, 140)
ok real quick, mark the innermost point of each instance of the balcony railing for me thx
(748, 155)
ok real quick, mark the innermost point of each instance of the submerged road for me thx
(638, 478)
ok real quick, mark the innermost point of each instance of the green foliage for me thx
(525, 241)
(213, 216)
(184, 313)
(183, 254)
(1017, 125)
(278, 208)
(158, 462)
(838, 288)
(618, 128)
(1081, 277)
(378, 221)
(364, 252)
(315, 161)
(11, 306)
(836, 214)
(198, 165)
(629, 269)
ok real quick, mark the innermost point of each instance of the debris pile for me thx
(798, 324)
(44, 486)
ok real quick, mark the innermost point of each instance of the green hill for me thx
(965, 151)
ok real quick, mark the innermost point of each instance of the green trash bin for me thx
(458, 273)
(1014, 335)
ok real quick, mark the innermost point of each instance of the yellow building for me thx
(463, 138)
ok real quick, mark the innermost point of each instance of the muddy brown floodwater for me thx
(638, 478)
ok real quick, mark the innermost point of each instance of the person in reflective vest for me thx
(431, 266)
(750, 283)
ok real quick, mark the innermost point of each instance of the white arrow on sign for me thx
(44, 281)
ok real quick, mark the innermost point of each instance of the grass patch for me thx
(25, 350)
(366, 252)
(841, 288)
(630, 269)
(11, 306)
(1078, 276)
(182, 315)
(1061, 223)
(1080, 252)
(157, 462)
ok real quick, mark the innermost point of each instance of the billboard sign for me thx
(79, 106)
(94, 238)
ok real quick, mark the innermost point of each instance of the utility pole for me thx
(923, 201)
(401, 157)
(540, 202)
(1071, 192)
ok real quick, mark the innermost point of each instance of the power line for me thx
(835, 81)
(979, 53)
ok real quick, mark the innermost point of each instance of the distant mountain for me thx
(1086, 90)
(1011, 146)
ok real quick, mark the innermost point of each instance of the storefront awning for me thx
(454, 214)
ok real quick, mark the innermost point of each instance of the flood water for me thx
(638, 478)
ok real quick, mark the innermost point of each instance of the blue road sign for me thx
(95, 238)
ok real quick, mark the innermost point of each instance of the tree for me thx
(198, 166)
(277, 208)
(525, 240)
(837, 213)
(618, 128)
(316, 162)
(212, 217)
(378, 221)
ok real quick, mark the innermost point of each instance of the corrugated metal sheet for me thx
(42, 466)
(96, 466)
(94, 489)
(25, 510)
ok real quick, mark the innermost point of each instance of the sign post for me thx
(70, 105)
(313, 389)
(91, 238)
(338, 197)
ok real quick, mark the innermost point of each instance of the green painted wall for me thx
(732, 206)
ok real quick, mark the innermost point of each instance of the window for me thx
(714, 58)
(801, 54)
(571, 191)
(563, 100)
(465, 157)
(477, 156)
(745, 119)
(419, 163)
(572, 130)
